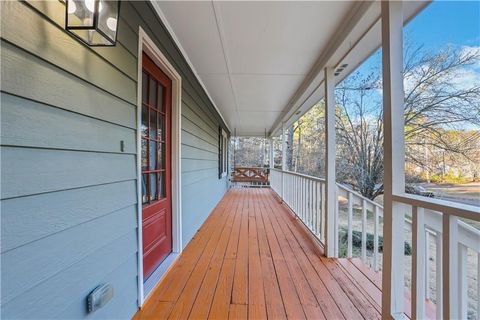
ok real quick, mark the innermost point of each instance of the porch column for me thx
(394, 159)
(284, 158)
(330, 181)
(271, 153)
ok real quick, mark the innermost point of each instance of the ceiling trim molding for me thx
(169, 28)
(223, 42)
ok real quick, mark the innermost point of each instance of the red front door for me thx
(156, 173)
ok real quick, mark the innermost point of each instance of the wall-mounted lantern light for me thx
(94, 22)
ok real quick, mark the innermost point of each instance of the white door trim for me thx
(145, 43)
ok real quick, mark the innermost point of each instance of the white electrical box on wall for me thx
(99, 297)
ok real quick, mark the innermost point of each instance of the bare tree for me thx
(435, 102)
(249, 151)
(305, 141)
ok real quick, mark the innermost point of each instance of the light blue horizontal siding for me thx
(32, 124)
(26, 75)
(72, 285)
(28, 219)
(28, 171)
(68, 208)
(206, 192)
(30, 265)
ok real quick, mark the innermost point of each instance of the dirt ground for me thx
(468, 193)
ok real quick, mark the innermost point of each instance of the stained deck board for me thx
(252, 259)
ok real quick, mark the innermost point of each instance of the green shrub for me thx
(357, 242)
(450, 177)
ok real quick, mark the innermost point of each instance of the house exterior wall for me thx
(68, 208)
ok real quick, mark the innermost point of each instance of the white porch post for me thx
(330, 185)
(271, 153)
(284, 159)
(394, 159)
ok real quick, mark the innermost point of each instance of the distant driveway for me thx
(468, 193)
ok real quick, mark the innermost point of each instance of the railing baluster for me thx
(376, 229)
(478, 285)
(309, 204)
(292, 191)
(335, 222)
(438, 278)
(319, 211)
(418, 263)
(364, 230)
(427, 265)
(462, 282)
(289, 191)
(322, 208)
(301, 202)
(350, 224)
(298, 196)
(450, 266)
(294, 195)
(304, 200)
(312, 206)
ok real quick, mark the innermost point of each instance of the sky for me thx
(440, 24)
(446, 22)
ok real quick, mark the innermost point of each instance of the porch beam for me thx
(394, 159)
(330, 181)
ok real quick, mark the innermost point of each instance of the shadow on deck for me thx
(253, 259)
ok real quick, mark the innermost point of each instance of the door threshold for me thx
(157, 275)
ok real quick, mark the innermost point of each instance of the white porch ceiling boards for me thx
(252, 57)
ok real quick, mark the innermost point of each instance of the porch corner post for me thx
(394, 159)
(284, 159)
(330, 180)
(270, 140)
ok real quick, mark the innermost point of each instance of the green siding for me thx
(68, 208)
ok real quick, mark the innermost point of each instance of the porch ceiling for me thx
(261, 62)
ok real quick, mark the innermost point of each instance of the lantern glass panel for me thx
(80, 13)
(108, 18)
(92, 37)
(93, 21)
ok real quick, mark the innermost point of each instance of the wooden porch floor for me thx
(253, 259)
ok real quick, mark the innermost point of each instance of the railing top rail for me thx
(359, 195)
(300, 175)
(446, 207)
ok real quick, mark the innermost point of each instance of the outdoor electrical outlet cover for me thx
(99, 297)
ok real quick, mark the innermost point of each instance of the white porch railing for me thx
(305, 195)
(453, 238)
(425, 219)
